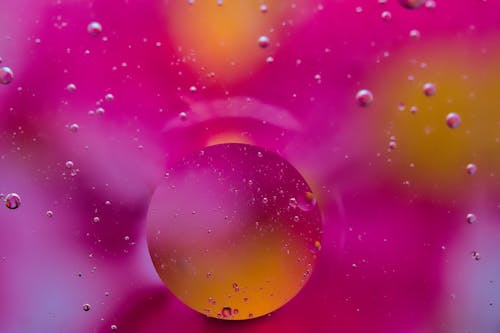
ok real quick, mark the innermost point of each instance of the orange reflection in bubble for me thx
(223, 39)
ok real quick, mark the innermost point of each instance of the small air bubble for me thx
(182, 115)
(74, 128)
(49, 213)
(429, 89)
(263, 41)
(386, 16)
(12, 201)
(69, 164)
(71, 87)
(109, 97)
(471, 218)
(453, 120)
(94, 28)
(86, 307)
(263, 8)
(6, 75)
(364, 98)
(471, 169)
(227, 312)
(114, 327)
(411, 4)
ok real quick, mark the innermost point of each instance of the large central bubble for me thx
(234, 231)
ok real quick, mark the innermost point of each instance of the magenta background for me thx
(404, 281)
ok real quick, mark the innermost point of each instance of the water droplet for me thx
(307, 201)
(71, 87)
(471, 218)
(453, 120)
(12, 201)
(74, 128)
(264, 41)
(86, 307)
(386, 16)
(364, 97)
(429, 89)
(109, 97)
(6, 75)
(411, 4)
(471, 169)
(414, 34)
(113, 327)
(227, 312)
(94, 28)
(50, 213)
(69, 164)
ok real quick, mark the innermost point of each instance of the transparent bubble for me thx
(414, 34)
(411, 4)
(69, 164)
(50, 213)
(245, 247)
(263, 8)
(74, 128)
(94, 28)
(6, 75)
(226, 312)
(364, 97)
(182, 115)
(471, 169)
(100, 111)
(471, 218)
(12, 201)
(264, 41)
(429, 89)
(475, 255)
(113, 327)
(453, 120)
(71, 87)
(386, 16)
(86, 307)
(109, 97)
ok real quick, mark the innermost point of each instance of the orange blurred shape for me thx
(223, 39)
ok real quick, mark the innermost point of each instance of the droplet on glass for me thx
(6, 75)
(364, 97)
(226, 312)
(471, 169)
(74, 128)
(471, 218)
(386, 16)
(71, 87)
(411, 4)
(12, 201)
(453, 120)
(94, 28)
(86, 307)
(109, 97)
(429, 89)
(264, 41)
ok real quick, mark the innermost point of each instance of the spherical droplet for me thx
(386, 16)
(453, 120)
(86, 307)
(364, 97)
(12, 201)
(264, 41)
(71, 87)
(244, 252)
(471, 218)
(74, 128)
(471, 169)
(94, 28)
(429, 89)
(411, 4)
(6, 75)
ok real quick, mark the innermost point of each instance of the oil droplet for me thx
(386, 16)
(429, 89)
(364, 97)
(453, 120)
(94, 28)
(264, 41)
(12, 201)
(74, 128)
(227, 312)
(471, 169)
(411, 4)
(471, 218)
(71, 87)
(86, 307)
(6, 75)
